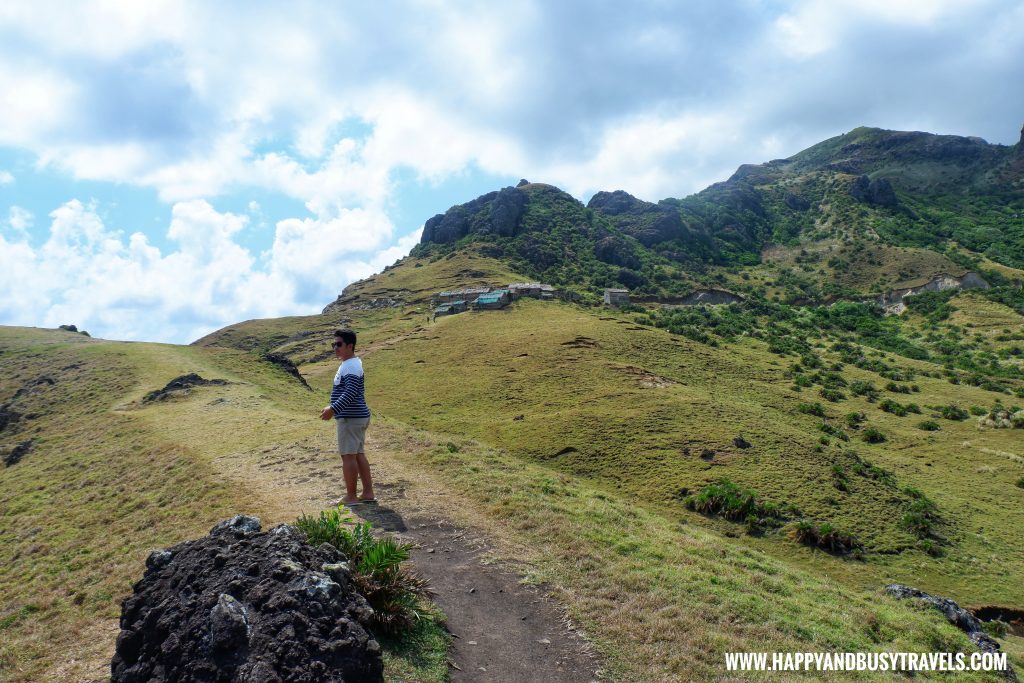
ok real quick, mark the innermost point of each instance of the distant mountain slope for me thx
(959, 198)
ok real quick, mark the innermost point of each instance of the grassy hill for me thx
(686, 481)
(544, 397)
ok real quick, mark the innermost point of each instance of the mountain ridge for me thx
(960, 198)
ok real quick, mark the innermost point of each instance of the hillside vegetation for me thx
(685, 480)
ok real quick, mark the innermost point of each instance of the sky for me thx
(170, 168)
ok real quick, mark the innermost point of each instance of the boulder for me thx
(956, 615)
(245, 605)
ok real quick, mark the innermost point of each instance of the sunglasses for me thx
(337, 344)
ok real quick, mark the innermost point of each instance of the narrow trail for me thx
(503, 630)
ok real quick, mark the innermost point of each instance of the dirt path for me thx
(504, 631)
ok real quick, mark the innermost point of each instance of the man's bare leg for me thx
(364, 474)
(350, 468)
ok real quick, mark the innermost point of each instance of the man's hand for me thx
(327, 413)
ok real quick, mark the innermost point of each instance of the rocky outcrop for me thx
(710, 297)
(618, 251)
(495, 212)
(506, 210)
(241, 605)
(179, 386)
(649, 223)
(285, 363)
(955, 614)
(17, 453)
(877, 192)
(892, 302)
(9, 417)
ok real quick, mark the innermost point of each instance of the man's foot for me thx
(367, 500)
(338, 502)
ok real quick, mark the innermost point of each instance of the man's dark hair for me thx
(347, 336)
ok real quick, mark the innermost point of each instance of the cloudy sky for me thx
(168, 168)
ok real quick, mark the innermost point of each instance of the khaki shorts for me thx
(352, 434)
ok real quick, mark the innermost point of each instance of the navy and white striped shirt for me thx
(347, 399)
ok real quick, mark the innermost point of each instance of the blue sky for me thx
(168, 168)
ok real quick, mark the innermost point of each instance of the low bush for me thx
(872, 435)
(928, 425)
(893, 407)
(865, 389)
(729, 501)
(921, 516)
(855, 420)
(826, 537)
(393, 591)
(811, 409)
(952, 412)
(833, 395)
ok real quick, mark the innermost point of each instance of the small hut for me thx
(616, 297)
(450, 308)
(499, 298)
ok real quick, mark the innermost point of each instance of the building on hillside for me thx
(616, 297)
(468, 294)
(521, 289)
(450, 308)
(534, 290)
(499, 298)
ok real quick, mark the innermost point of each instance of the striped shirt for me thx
(347, 399)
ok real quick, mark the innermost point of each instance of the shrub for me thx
(452, 447)
(865, 389)
(839, 479)
(729, 501)
(392, 590)
(952, 412)
(928, 425)
(893, 407)
(897, 388)
(811, 409)
(826, 537)
(833, 431)
(922, 514)
(997, 628)
(855, 420)
(1020, 483)
(872, 435)
(833, 395)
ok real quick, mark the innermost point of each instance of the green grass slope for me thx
(547, 395)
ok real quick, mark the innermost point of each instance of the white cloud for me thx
(6, 177)
(34, 102)
(126, 288)
(19, 221)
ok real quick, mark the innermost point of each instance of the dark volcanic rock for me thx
(649, 223)
(282, 361)
(616, 251)
(240, 605)
(17, 453)
(8, 416)
(506, 210)
(878, 192)
(458, 221)
(955, 614)
(179, 384)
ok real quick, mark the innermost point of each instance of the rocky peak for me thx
(647, 222)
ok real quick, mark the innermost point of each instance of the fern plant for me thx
(393, 590)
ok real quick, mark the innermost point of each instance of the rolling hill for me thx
(686, 480)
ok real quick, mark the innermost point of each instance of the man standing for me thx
(351, 414)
